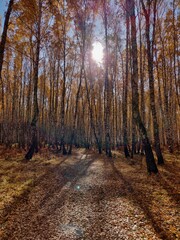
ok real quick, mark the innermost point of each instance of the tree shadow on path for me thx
(29, 215)
(145, 204)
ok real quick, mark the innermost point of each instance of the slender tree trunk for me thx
(79, 88)
(165, 95)
(2, 48)
(175, 51)
(98, 142)
(76, 109)
(141, 71)
(133, 135)
(43, 94)
(160, 98)
(30, 83)
(34, 140)
(150, 46)
(56, 103)
(107, 88)
(125, 87)
(151, 165)
(63, 94)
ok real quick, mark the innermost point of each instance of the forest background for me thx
(54, 94)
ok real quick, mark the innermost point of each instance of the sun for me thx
(97, 52)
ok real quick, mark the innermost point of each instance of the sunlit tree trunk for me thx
(165, 93)
(160, 101)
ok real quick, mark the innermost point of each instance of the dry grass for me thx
(18, 176)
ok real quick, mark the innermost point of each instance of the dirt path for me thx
(90, 197)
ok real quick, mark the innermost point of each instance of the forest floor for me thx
(87, 196)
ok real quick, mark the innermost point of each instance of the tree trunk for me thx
(151, 78)
(125, 87)
(78, 91)
(107, 89)
(98, 142)
(165, 95)
(63, 93)
(34, 140)
(2, 47)
(175, 52)
(151, 165)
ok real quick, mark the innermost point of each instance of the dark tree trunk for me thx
(125, 87)
(150, 46)
(64, 152)
(92, 118)
(77, 98)
(34, 140)
(151, 165)
(175, 52)
(107, 88)
(133, 144)
(141, 72)
(2, 48)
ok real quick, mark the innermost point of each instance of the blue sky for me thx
(3, 7)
